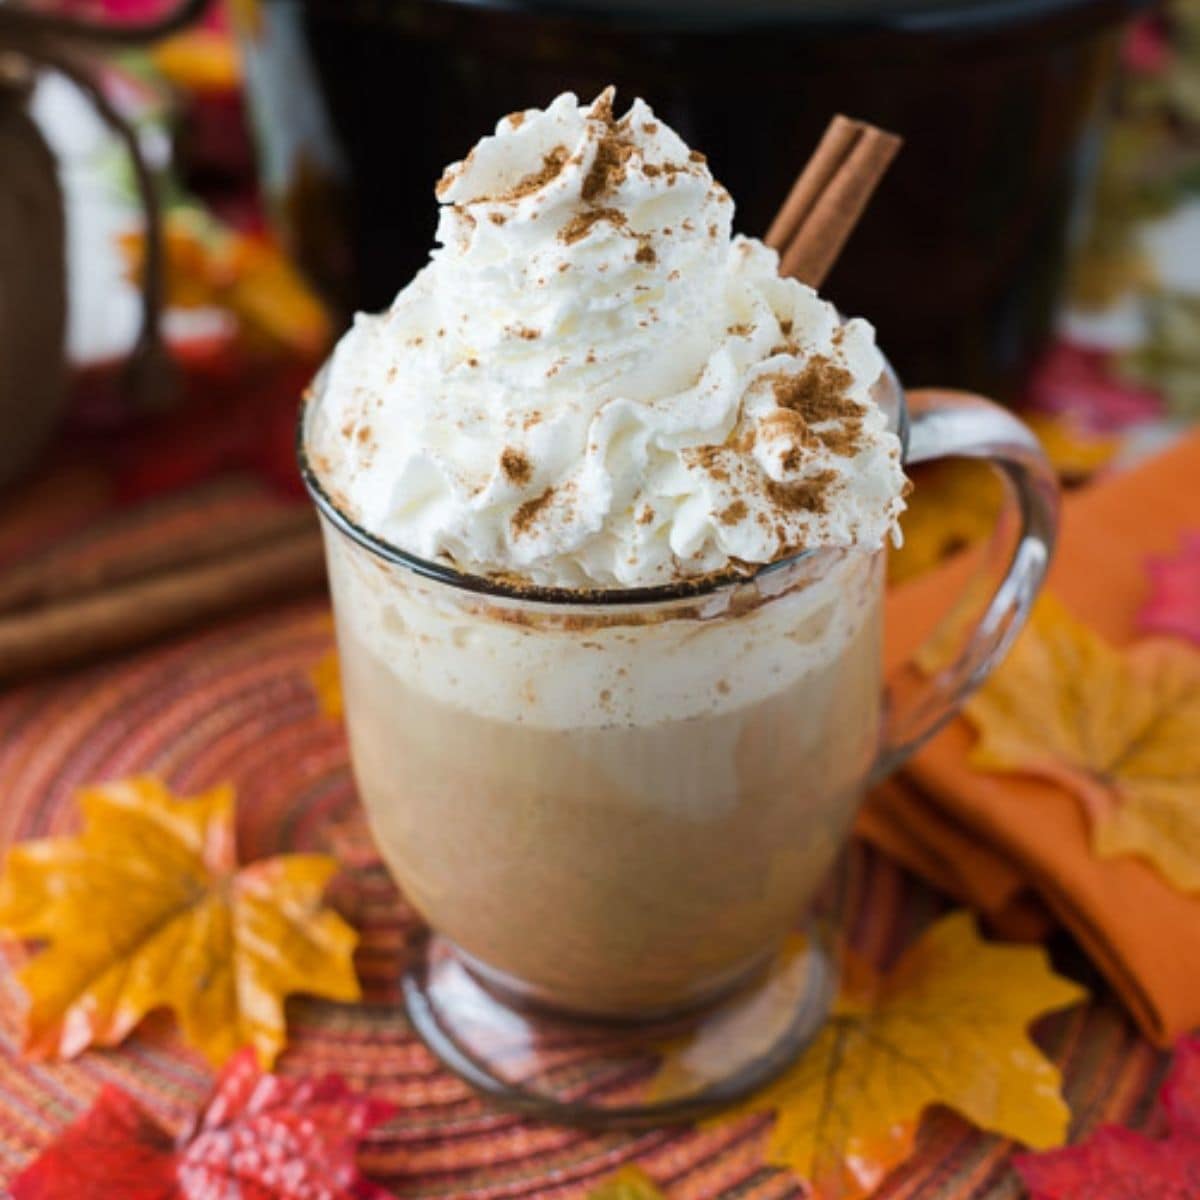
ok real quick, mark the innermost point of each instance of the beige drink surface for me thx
(616, 869)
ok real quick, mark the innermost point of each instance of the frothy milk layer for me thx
(567, 668)
(593, 383)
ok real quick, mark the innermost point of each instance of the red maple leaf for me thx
(1174, 604)
(1119, 1164)
(259, 1137)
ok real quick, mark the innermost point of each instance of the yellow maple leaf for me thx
(325, 677)
(629, 1183)
(1120, 729)
(1074, 451)
(147, 908)
(954, 504)
(947, 1025)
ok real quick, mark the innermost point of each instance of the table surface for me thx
(236, 703)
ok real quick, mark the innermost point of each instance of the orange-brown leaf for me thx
(147, 908)
(1118, 728)
(947, 1025)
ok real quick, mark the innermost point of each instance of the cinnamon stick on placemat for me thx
(161, 567)
(171, 601)
(829, 197)
(210, 521)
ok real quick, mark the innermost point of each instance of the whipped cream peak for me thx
(593, 383)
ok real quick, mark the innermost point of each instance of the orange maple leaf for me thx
(1120, 729)
(147, 908)
(947, 1025)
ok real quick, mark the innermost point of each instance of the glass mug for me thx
(612, 808)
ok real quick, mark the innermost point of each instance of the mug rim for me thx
(543, 594)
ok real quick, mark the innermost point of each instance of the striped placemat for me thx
(236, 703)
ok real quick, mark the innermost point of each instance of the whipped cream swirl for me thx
(595, 384)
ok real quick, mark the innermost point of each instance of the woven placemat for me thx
(236, 703)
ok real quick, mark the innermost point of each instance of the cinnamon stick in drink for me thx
(829, 197)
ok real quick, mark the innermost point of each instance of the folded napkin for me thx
(1017, 847)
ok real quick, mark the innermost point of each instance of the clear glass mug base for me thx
(614, 1073)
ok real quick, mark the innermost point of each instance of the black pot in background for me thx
(959, 258)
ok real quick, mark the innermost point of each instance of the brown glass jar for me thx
(362, 102)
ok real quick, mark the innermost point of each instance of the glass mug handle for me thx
(951, 424)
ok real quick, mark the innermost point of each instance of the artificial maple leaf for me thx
(629, 1183)
(326, 680)
(147, 908)
(1174, 604)
(947, 1025)
(1120, 1164)
(954, 504)
(1120, 729)
(258, 1137)
(1075, 451)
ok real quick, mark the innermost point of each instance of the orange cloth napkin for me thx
(1015, 846)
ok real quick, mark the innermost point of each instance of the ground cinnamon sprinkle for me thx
(809, 495)
(580, 225)
(527, 514)
(497, 218)
(710, 459)
(612, 154)
(645, 253)
(845, 439)
(818, 393)
(552, 164)
(515, 466)
(516, 119)
(791, 425)
(734, 513)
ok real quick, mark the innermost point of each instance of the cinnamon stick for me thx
(829, 197)
(139, 611)
(73, 569)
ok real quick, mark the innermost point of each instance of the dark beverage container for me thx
(361, 103)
